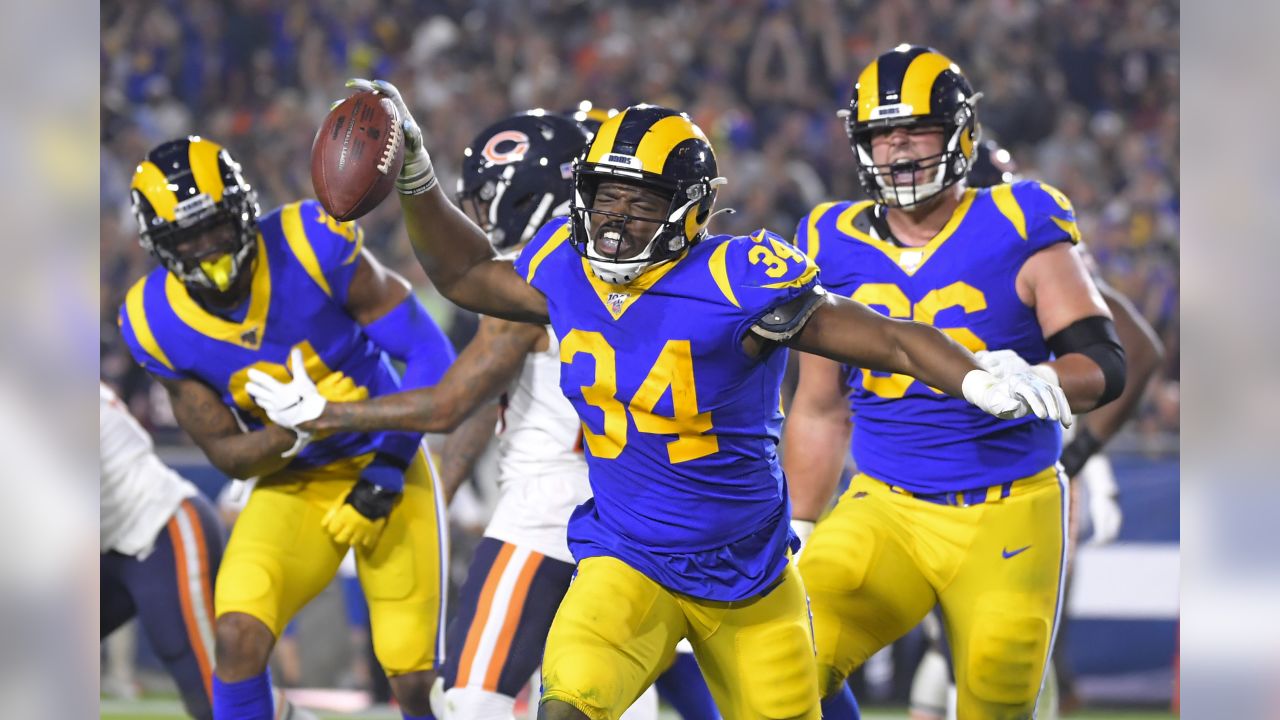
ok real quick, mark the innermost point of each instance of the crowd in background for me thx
(1084, 93)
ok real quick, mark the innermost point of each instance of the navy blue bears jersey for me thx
(304, 265)
(681, 425)
(962, 282)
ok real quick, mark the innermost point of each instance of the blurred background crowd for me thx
(1084, 94)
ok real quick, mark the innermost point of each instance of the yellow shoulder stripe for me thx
(296, 235)
(721, 273)
(1008, 206)
(556, 240)
(138, 322)
(814, 242)
(1069, 227)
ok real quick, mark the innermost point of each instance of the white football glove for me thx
(1016, 395)
(1104, 506)
(288, 404)
(417, 175)
(1003, 363)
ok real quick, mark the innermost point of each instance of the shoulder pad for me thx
(759, 265)
(544, 242)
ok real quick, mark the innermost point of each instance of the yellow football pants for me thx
(279, 557)
(616, 631)
(883, 559)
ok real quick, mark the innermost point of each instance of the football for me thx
(356, 155)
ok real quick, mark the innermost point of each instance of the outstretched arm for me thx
(461, 263)
(850, 332)
(485, 368)
(452, 249)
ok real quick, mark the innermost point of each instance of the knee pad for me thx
(779, 660)
(474, 704)
(1007, 655)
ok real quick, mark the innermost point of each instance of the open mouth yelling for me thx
(612, 243)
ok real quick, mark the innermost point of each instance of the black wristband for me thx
(1079, 450)
(372, 501)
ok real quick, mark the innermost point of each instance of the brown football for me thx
(357, 155)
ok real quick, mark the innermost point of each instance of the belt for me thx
(962, 498)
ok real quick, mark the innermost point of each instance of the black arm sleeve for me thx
(1095, 337)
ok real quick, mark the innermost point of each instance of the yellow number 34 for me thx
(673, 369)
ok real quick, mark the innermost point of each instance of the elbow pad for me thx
(782, 322)
(1095, 337)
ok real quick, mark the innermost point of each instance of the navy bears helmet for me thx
(181, 190)
(912, 86)
(516, 174)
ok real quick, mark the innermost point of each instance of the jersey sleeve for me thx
(139, 337)
(759, 272)
(326, 248)
(1050, 218)
(547, 240)
(807, 238)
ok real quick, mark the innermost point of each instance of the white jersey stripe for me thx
(197, 576)
(474, 675)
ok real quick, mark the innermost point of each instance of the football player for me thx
(516, 175)
(993, 165)
(161, 546)
(234, 292)
(670, 348)
(950, 507)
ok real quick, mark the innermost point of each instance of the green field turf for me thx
(172, 710)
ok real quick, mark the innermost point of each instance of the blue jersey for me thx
(304, 265)
(962, 282)
(681, 425)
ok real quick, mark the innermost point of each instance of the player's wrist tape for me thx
(372, 501)
(417, 175)
(1077, 452)
(302, 438)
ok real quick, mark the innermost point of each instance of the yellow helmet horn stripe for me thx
(917, 83)
(603, 142)
(868, 91)
(154, 186)
(204, 167)
(662, 137)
